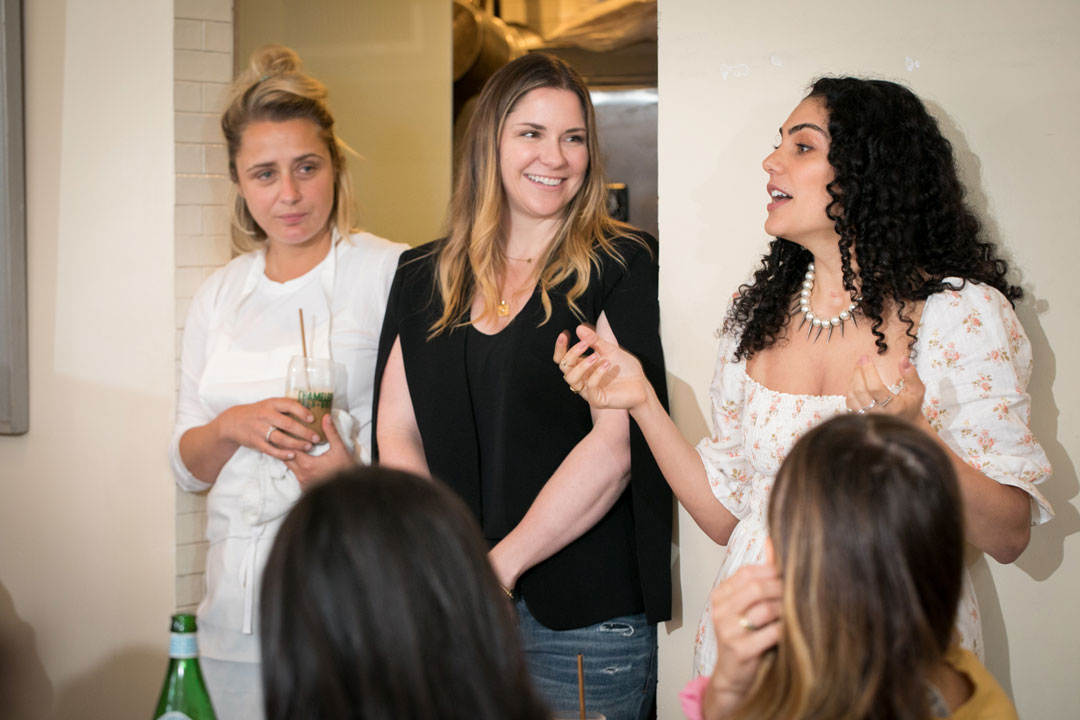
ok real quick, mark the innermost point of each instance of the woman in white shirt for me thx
(236, 435)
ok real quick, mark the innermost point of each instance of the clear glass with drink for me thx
(310, 381)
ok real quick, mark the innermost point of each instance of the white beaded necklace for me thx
(818, 322)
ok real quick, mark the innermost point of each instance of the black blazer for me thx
(622, 565)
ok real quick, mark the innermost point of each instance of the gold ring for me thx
(578, 389)
(747, 624)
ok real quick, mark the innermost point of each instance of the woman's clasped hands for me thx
(271, 427)
(868, 393)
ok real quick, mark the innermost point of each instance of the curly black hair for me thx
(896, 191)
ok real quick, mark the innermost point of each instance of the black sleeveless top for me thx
(496, 419)
(487, 359)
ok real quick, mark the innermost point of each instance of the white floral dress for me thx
(975, 360)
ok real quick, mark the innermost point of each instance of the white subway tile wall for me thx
(203, 65)
(205, 10)
(197, 127)
(202, 250)
(189, 158)
(187, 96)
(218, 36)
(200, 189)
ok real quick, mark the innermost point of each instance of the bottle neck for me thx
(183, 645)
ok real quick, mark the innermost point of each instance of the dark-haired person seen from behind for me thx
(378, 602)
(879, 294)
(236, 433)
(851, 615)
(570, 500)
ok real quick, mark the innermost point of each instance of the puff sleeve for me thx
(975, 360)
(729, 472)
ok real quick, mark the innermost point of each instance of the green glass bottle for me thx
(184, 695)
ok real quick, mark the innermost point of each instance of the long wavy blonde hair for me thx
(274, 88)
(472, 258)
(865, 518)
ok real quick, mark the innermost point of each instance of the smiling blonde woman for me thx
(571, 502)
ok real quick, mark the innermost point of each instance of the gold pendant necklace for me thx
(503, 308)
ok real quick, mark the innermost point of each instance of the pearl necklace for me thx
(818, 322)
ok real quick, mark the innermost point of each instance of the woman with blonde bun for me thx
(236, 435)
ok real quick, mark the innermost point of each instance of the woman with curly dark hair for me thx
(878, 295)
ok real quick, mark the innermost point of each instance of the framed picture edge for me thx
(14, 365)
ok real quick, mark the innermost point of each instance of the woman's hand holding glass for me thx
(609, 377)
(311, 468)
(269, 426)
(868, 393)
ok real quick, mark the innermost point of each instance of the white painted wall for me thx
(1002, 78)
(86, 517)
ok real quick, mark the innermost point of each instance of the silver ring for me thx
(864, 408)
(886, 401)
(270, 432)
(747, 624)
(562, 363)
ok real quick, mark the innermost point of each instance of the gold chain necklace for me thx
(503, 308)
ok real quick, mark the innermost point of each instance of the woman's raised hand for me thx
(609, 377)
(269, 426)
(745, 611)
(868, 393)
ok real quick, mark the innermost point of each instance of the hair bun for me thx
(273, 61)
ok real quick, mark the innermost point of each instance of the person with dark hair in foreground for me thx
(852, 614)
(378, 603)
(879, 294)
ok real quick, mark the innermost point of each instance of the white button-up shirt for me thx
(241, 331)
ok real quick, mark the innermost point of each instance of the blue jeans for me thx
(619, 658)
